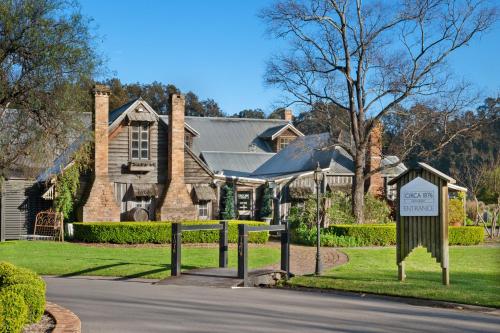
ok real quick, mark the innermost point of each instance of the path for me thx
(126, 306)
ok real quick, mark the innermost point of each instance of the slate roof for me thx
(237, 164)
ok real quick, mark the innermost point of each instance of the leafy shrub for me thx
(28, 303)
(307, 236)
(266, 209)
(158, 232)
(456, 211)
(33, 296)
(465, 235)
(376, 210)
(13, 312)
(228, 212)
(368, 234)
(339, 211)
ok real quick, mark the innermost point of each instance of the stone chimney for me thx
(374, 158)
(288, 115)
(177, 203)
(101, 204)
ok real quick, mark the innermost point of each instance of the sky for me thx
(218, 49)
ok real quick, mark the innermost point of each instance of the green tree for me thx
(47, 62)
(250, 113)
(228, 212)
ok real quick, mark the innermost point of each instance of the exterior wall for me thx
(119, 156)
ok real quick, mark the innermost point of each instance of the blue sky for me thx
(218, 48)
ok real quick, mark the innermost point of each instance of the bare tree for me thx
(368, 58)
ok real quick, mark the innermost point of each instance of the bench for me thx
(48, 226)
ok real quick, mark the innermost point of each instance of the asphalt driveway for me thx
(126, 306)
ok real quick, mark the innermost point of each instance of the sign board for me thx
(419, 198)
(243, 200)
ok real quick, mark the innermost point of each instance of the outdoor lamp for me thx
(318, 177)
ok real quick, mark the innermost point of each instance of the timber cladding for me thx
(430, 232)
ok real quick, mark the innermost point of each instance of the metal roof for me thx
(303, 154)
(238, 164)
(392, 171)
(232, 134)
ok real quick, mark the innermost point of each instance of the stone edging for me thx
(66, 320)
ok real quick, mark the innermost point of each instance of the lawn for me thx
(69, 259)
(474, 275)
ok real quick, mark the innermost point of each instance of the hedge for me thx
(367, 234)
(465, 235)
(377, 235)
(22, 297)
(157, 232)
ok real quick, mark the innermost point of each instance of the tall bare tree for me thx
(366, 59)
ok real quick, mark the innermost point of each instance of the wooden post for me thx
(285, 250)
(401, 271)
(175, 262)
(243, 253)
(223, 233)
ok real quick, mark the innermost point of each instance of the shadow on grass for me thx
(88, 271)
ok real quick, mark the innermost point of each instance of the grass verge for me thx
(69, 259)
(474, 275)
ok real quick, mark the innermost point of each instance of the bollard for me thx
(223, 246)
(243, 253)
(176, 249)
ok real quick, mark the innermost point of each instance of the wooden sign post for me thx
(422, 215)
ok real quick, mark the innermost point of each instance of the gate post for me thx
(243, 253)
(223, 233)
(175, 262)
(285, 250)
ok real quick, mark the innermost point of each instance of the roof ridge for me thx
(237, 152)
(237, 119)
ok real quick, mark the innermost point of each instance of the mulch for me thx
(45, 325)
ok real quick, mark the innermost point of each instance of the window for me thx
(284, 141)
(203, 210)
(140, 142)
(187, 140)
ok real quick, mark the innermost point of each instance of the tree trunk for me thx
(358, 189)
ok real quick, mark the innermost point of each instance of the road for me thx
(126, 306)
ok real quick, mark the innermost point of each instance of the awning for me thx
(204, 193)
(141, 116)
(144, 190)
(299, 192)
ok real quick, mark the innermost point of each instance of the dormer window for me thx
(284, 141)
(139, 146)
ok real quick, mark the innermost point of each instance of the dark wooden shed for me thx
(20, 201)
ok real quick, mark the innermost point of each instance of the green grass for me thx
(474, 275)
(68, 259)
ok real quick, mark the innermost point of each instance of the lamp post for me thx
(318, 177)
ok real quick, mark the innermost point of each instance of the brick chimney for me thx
(101, 204)
(177, 203)
(374, 158)
(288, 115)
